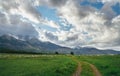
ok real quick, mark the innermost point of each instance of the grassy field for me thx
(36, 65)
(57, 65)
(87, 71)
(108, 65)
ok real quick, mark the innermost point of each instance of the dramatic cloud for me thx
(18, 16)
(94, 23)
(20, 7)
(104, 1)
(11, 24)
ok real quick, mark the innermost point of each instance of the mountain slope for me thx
(9, 43)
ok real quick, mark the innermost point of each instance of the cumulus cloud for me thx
(104, 1)
(13, 25)
(87, 25)
(20, 7)
(50, 23)
(91, 27)
(51, 3)
(16, 18)
(19, 17)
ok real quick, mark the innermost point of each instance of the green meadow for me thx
(57, 65)
(108, 65)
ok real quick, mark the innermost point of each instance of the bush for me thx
(72, 53)
(56, 53)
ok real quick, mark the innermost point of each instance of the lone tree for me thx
(56, 52)
(72, 53)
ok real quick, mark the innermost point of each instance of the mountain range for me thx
(11, 44)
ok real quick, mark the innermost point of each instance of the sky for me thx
(70, 23)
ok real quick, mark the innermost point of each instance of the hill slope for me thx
(9, 43)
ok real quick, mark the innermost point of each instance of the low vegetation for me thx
(87, 71)
(108, 65)
(57, 65)
(36, 65)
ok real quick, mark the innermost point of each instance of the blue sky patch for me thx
(48, 13)
(116, 8)
(98, 5)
